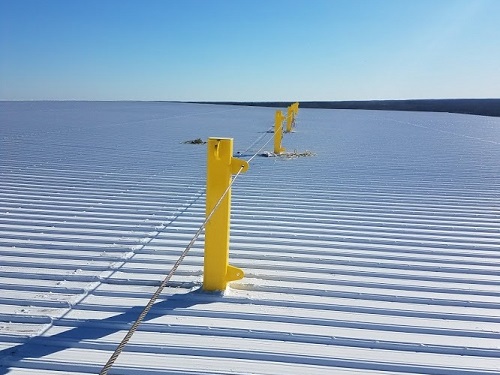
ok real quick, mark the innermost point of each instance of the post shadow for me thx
(94, 329)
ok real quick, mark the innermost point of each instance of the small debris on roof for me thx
(197, 141)
(288, 155)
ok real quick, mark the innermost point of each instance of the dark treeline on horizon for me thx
(484, 107)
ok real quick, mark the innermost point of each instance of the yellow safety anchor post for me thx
(220, 166)
(289, 118)
(278, 132)
(295, 110)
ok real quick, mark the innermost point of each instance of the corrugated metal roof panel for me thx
(378, 255)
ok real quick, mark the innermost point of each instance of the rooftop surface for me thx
(380, 254)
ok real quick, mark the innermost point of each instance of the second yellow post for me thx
(278, 132)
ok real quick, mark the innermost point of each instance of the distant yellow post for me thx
(220, 166)
(295, 109)
(278, 132)
(289, 118)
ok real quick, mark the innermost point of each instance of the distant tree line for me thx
(484, 107)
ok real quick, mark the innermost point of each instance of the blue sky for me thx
(249, 49)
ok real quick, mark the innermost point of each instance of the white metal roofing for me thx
(379, 255)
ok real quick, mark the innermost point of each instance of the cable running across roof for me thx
(258, 139)
(260, 149)
(176, 265)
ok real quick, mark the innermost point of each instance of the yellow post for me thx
(289, 119)
(220, 166)
(295, 110)
(278, 132)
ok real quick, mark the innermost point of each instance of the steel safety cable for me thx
(164, 283)
(265, 144)
(257, 140)
(149, 305)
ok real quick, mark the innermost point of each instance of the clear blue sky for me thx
(249, 49)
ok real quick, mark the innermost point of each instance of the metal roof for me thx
(377, 255)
